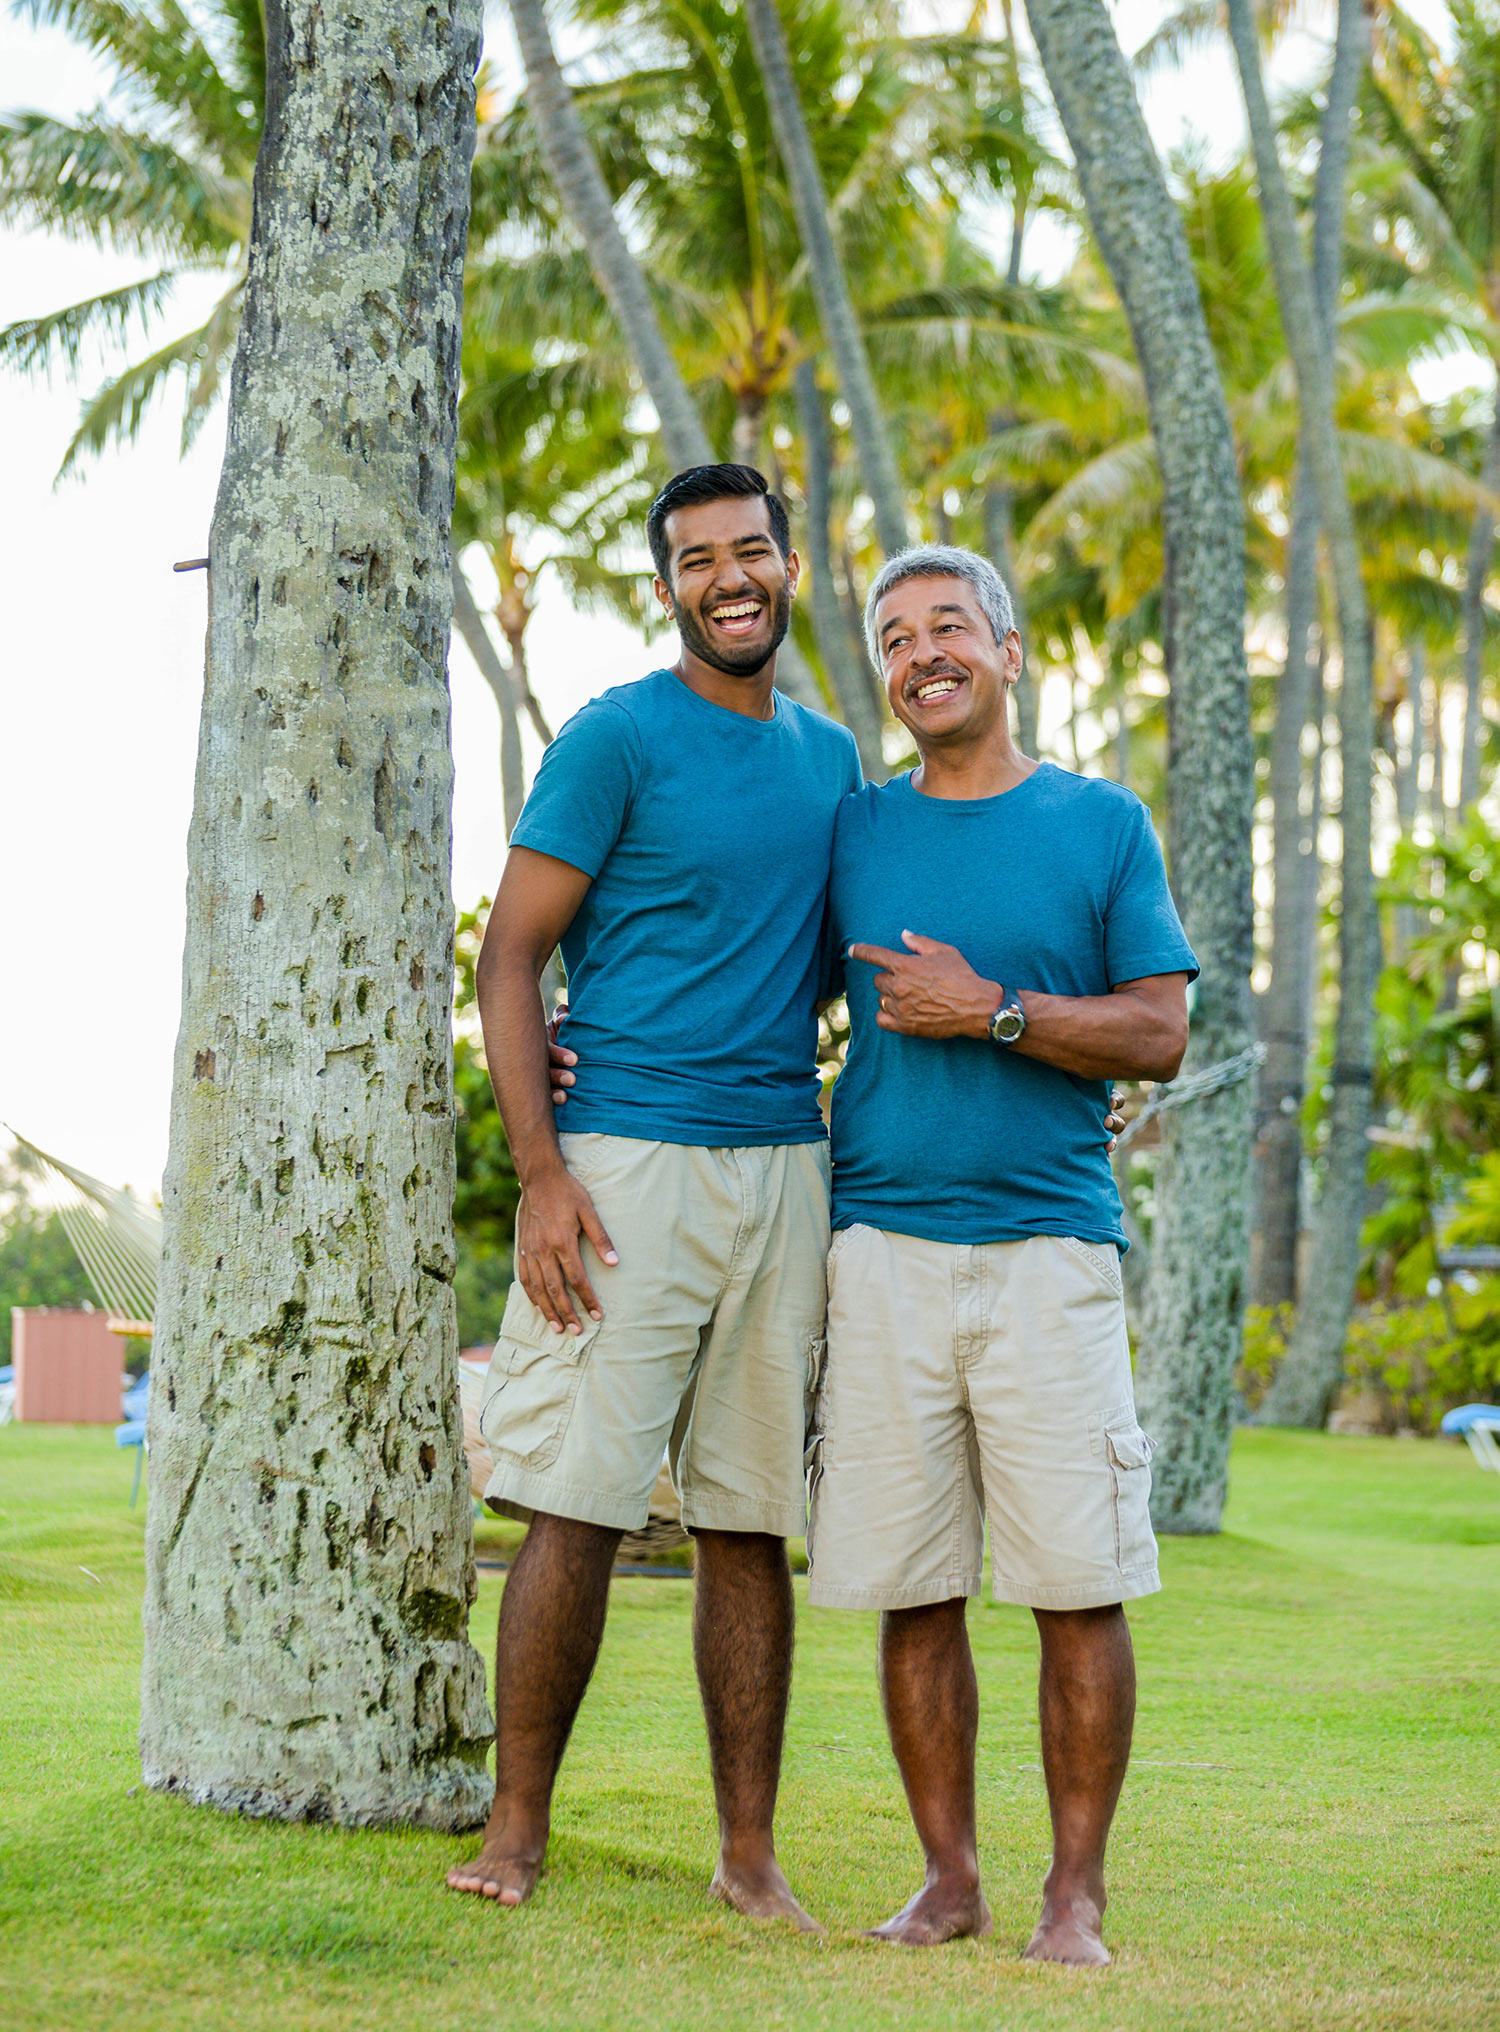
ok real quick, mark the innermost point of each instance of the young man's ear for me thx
(663, 593)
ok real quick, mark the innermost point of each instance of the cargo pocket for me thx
(534, 1379)
(1129, 1451)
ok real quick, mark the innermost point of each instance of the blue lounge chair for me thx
(1479, 1424)
(133, 1431)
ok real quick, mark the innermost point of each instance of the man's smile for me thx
(737, 617)
(936, 686)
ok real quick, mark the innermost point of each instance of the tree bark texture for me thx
(1481, 552)
(1200, 1242)
(877, 460)
(470, 624)
(309, 1551)
(1304, 1387)
(851, 682)
(1285, 1025)
(574, 169)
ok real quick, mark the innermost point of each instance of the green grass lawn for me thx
(1309, 1835)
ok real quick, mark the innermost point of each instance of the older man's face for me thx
(945, 674)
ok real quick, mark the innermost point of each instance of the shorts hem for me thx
(740, 1513)
(824, 1595)
(611, 1508)
(1091, 1594)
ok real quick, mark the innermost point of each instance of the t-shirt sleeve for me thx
(1142, 931)
(582, 792)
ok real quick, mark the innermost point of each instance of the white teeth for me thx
(939, 687)
(739, 613)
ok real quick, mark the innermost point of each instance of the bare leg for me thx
(931, 1700)
(742, 1643)
(551, 1621)
(1087, 1702)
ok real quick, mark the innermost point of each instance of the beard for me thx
(721, 656)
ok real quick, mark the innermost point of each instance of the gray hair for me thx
(942, 561)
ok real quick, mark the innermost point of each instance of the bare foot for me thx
(760, 1891)
(1070, 1930)
(947, 1908)
(508, 1863)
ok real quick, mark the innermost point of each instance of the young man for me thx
(670, 1247)
(1015, 947)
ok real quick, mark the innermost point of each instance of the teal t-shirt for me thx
(695, 959)
(1057, 886)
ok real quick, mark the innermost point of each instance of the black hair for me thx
(712, 483)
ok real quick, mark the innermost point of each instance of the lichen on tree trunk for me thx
(309, 1551)
(1200, 1242)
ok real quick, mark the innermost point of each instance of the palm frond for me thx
(1387, 466)
(32, 344)
(97, 180)
(1124, 477)
(219, 336)
(115, 414)
(164, 62)
(1197, 24)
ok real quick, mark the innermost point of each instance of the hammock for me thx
(115, 1238)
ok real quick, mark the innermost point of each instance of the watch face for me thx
(1007, 1026)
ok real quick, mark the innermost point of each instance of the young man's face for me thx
(730, 589)
(945, 674)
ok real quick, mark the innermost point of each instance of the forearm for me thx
(1121, 1036)
(515, 1049)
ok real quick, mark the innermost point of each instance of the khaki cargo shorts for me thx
(966, 1381)
(710, 1345)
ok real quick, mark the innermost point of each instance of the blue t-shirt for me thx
(1057, 886)
(694, 960)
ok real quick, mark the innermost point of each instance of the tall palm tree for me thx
(575, 171)
(1305, 1384)
(1440, 115)
(835, 305)
(1199, 1252)
(308, 1547)
(1294, 850)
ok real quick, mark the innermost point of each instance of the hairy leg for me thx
(551, 1621)
(931, 1701)
(742, 1644)
(1087, 1701)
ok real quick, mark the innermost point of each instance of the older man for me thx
(1014, 948)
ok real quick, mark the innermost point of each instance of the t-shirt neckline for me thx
(722, 713)
(971, 804)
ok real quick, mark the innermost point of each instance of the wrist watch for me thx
(1008, 1023)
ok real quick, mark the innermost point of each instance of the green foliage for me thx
(1406, 1364)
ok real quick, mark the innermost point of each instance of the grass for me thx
(1308, 1837)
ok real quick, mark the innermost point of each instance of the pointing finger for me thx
(919, 944)
(876, 955)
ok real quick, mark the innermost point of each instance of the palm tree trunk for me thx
(574, 169)
(999, 539)
(851, 684)
(877, 460)
(1481, 551)
(1284, 1027)
(308, 1547)
(1308, 1379)
(1408, 771)
(1196, 1295)
(470, 624)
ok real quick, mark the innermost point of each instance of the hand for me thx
(554, 1210)
(930, 991)
(1114, 1121)
(559, 1057)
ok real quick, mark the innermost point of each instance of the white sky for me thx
(102, 668)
